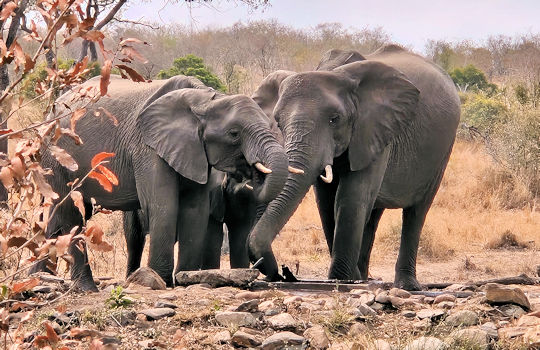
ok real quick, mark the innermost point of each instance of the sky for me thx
(408, 22)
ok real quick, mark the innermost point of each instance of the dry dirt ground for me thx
(482, 225)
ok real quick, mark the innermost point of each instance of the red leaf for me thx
(63, 158)
(98, 158)
(136, 77)
(103, 181)
(24, 286)
(105, 77)
(7, 10)
(76, 116)
(5, 131)
(51, 334)
(77, 198)
(108, 174)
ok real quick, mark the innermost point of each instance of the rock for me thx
(249, 306)
(398, 302)
(357, 329)
(447, 305)
(422, 325)
(475, 338)
(400, 293)
(532, 337)
(367, 299)
(293, 299)
(218, 278)
(444, 297)
(490, 329)
(528, 321)
(247, 295)
(512, 311)
(163, 303)
(267, 304)
(199, 287)
(146, 277)
(244, 340)
(366, 311)
(222, 337)
(43, 289)
(283, 340)
(462, 318)
(511, 332)
(432, 314)
(382, 298)
(317, 337)
(235, 319)
(379, 344)
(122, 318)
(282, 322)
(427, 343)
(429, 300)
(378, 306)
(305, 306)
(157, 313)
(358, 292)
(347, 345)
(168, 296)
(538, 270)
(498, 294)
(62, 319)
(408, 314)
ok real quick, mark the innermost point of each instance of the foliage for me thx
(117, 298)
(482, 112)
(40, 74)
(472, 79)
(193, 66)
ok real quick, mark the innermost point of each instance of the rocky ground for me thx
(201, 317)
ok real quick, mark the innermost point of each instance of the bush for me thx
(482, 112)
(193, 66)
(470, 78)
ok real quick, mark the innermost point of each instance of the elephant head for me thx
(194, 128)
(349, 113)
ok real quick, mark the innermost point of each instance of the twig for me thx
(24, 268)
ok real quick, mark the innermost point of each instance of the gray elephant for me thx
(231, 202)
(169, 135)
(370, 133)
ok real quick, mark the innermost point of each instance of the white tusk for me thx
(328, 174)
(249, 187)
(295, 170)
(262, 168)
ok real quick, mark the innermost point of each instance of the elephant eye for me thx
(334, 119)
(234, 134)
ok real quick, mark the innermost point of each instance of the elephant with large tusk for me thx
(369, 133)
(169, 135)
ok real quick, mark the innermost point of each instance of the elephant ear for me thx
(267, 94)
(170, 126)
(334, 58)
(386, 105)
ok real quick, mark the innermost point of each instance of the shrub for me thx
(470, 78)
(193, 66)
(482, 112)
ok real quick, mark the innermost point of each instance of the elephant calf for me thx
(169, 135)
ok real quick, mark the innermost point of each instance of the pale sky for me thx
(408, 22)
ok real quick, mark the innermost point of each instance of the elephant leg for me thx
(355, 198)
(367, 241)
(193, 215)
(325, 195)
(238, 233)
(214, 241)
(135, 239)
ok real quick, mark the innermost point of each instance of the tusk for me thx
(258, 263)
(262, 168)
(249, 187)
(328, 174)
(295, 170)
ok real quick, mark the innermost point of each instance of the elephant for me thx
(231, 202)
(370, 133)
(170, 133)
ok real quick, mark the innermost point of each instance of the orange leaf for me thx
(77, 198)
(109, 115)
(6, 176)
(98, 158)
(136, 77)
(102, 179)
(132, 40)
(44, 188)
(24, 286)
(108, 174)
(130, 52)
(51, 334)
(76, 116)
(105, 77)
(63, 158)
(7, 10)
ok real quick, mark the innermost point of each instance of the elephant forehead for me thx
(315, 84)
(236, 106)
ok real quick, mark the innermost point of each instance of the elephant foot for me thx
(407, 282)
(85, 285)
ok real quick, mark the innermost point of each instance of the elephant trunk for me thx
(260, 146)
(279, 211)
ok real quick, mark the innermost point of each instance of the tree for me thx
(471, 78)
(193, 66)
